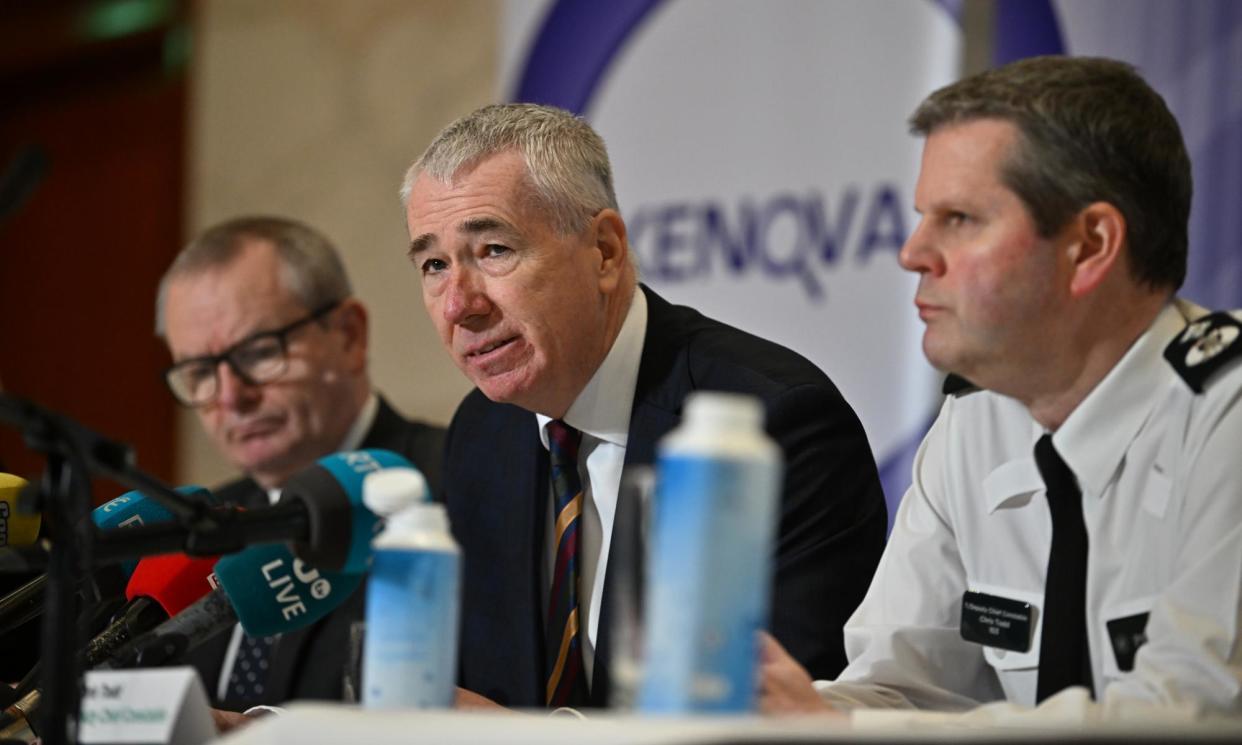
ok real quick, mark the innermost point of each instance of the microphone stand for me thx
(66, 486)
(73, 453)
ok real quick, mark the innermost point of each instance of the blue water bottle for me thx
(718, 479)
(413, 600)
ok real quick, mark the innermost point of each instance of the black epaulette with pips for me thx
(1204, 347)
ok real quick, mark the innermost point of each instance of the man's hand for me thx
(784, 685)
(227, 721)
(471, 700)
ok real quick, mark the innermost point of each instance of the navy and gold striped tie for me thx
(566, 681)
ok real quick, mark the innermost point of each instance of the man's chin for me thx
(509, 387)
(260, 457)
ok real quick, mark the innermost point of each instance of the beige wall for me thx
(313, 109)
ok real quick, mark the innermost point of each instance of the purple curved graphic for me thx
(574, 47)
(1026, 28)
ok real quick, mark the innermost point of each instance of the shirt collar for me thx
(1094, 438)
(603, 408)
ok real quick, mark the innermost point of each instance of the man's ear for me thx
(614, 249)
(1096, 244)
(355, 326)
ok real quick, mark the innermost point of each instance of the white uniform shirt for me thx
(602, 413)
(1161, 475)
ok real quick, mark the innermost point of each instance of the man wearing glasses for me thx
(269, 348)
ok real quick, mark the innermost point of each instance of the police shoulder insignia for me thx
(1205, 346)
(956, 385)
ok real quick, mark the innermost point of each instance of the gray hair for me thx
(1090, 129)
(310, 266)
(566, 161)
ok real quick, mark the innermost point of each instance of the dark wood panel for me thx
(80, 259)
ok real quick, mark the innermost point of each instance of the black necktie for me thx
(1064, 656)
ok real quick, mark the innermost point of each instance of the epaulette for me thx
(956, 385)
(1205, 346)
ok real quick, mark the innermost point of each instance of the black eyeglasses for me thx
(257, 359)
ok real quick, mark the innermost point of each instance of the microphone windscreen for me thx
(16, 528)
(135, 508)
(172, 580)
(273, 592)
(341, 527)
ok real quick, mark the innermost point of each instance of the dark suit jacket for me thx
(310, 663)
(832, 514)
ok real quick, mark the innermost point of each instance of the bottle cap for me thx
(391, 490)
(428, 517)
(724, 410)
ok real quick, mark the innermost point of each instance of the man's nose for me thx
(919, 253)
(466, 298)
(233, 391)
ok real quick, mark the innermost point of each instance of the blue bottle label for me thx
(708, 583)
(410, 654)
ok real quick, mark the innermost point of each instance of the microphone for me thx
(160, 588)
(16, 527)
(320, 513)
(264, 588)
(341, 526)
(133, 509)
(127, 511)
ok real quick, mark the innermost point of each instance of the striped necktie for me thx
(1064, 656)
(566, 683)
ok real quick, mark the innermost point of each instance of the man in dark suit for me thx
(270, 349)
(527, 275)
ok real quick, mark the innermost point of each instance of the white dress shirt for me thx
(602, 413)
(1161, 475)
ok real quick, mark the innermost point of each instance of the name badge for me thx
(1127, 635)
(994, 621)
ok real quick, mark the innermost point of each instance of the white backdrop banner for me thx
(764, 168)
(1191, 52)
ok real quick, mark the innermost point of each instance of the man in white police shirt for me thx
(1072, 540)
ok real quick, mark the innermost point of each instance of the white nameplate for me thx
(164, 707)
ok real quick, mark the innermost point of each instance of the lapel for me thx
(387, 431)
(497, 513)
(529, 516)
(663, 383)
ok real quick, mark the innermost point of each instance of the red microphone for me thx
(160, 588)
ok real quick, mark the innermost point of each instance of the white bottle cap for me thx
(428, 517)
(721, 410)
(391, 490)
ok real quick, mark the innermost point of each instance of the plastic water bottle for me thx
(718, 479)
(413, 599)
